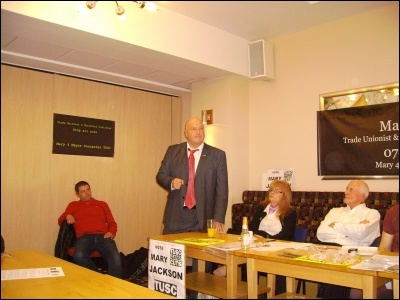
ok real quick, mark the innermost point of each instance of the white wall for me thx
(355, 52)
(228, 98)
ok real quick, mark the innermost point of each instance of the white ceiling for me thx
(254, 20)
(37, 44)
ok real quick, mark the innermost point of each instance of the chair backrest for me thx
(376, 242)
(300, 234)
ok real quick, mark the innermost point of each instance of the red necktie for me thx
(190, 198)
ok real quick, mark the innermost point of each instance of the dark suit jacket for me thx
(211, 184)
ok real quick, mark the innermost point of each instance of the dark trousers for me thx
(331, 291)
(87, 243)
(189, 223)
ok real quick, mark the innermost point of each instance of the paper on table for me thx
(31, 273)
(276, 246)
(228, 246)
(221, 250)
(377, 262)
(269, 246)
(392, 259)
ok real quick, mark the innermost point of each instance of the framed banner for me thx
(359, 142)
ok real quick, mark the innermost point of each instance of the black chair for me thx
(300, 235)
(376, 242)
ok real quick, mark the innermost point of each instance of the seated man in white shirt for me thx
(353, 225)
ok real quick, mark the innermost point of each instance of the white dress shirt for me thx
(347, 230)
(271, 223)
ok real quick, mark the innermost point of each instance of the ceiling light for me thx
(147, 5)
(91, 4)
(120, 10)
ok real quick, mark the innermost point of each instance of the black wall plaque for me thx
(75, 135)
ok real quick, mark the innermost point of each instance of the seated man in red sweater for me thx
(95, 229)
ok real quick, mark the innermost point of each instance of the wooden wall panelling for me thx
(176, 121)
(26, 191)
(147, 136)
(37, 185)
(85, 98)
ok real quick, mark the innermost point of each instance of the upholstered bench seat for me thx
(311, 207)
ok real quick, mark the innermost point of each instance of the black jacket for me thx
(66, 238)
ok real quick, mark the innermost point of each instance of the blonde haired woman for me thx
(274, 218)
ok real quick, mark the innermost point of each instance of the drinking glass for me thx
(210, 228)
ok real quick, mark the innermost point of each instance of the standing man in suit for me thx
(210, 185)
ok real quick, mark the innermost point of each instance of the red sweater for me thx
(91, 217)
(391, 225)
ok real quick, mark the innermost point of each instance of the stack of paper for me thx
(221, 250)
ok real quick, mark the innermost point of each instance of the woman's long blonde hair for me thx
(284, 204)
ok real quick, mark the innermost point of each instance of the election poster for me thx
(167, 268)
(276, 174)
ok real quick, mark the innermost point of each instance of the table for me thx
(390, 275)
(78, 282)
(274, 264)
(228, 287)
(395, 280)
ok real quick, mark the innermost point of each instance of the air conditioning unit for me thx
(261, 61)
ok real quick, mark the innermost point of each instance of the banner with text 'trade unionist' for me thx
(359, 141)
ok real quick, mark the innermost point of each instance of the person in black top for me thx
(273, 218)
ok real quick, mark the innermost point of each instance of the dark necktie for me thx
(190, 198)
